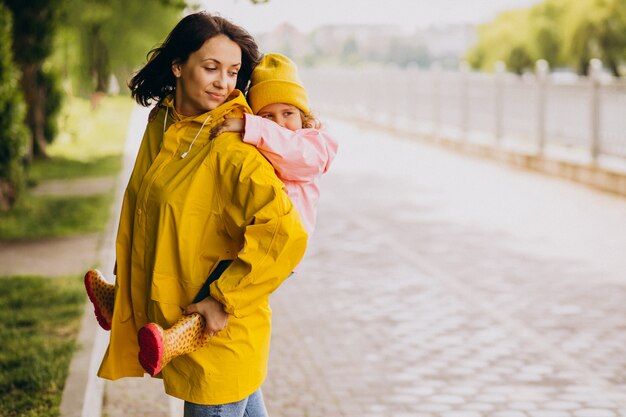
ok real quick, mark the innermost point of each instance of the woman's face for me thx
(207, 78)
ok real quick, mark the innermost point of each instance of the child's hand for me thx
(213, 312)
(228, 125)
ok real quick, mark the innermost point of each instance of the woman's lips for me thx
(216, 96)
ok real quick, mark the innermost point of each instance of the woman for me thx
(191, 203)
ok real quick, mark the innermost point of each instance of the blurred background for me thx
(55, 49)
(503, 290)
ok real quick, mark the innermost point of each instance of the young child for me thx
(286, 133)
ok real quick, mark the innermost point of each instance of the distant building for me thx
(286, 39)
(450, 40)
(338, 43)
(334, 38)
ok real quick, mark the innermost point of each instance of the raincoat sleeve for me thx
(274, 239)
(300, 155)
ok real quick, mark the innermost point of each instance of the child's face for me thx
(285, 115)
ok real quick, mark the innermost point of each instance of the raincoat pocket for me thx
(169, 297)
(172, 290)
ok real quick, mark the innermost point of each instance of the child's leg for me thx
(102, 296)
(157, 346)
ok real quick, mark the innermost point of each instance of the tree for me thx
(112, 37)
(519, 59)
(559, 31)
(546, 31)
(596, 29)
(503, 39)
(13, 131)
(34, 24)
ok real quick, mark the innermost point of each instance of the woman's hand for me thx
(228, 125)
(213, 312)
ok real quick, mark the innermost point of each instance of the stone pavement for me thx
(438, 285)
(411, 303)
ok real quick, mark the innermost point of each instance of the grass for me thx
(42, 217)
(62, 168)
(39, 316)
(39, 321)
(91, 143)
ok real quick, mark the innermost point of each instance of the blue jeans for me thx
(252, 406)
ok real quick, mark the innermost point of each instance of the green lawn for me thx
(36, 217)
(40, 316)
(90, 144)
(39, 320)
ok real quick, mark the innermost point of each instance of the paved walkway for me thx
(56, 256)
(438, 285)
(445, 286)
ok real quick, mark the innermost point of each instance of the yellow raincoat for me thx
(181, 217)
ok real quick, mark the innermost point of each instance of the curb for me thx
(84, 391)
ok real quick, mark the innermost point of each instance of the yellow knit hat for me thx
(275, 80)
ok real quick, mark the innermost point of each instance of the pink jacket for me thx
(299, 159)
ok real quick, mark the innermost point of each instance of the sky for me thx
(309, 14)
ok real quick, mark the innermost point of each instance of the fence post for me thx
(412, 96)
(435, 72)
(464, 98)
(500, 70)
(541, 75)
(595, 70)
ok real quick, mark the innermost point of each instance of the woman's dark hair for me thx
(155, 80)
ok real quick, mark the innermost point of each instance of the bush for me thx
(13, 132)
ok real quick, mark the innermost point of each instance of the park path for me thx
(51, 257)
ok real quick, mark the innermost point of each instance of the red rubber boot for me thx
(157, 346)
(102, 296)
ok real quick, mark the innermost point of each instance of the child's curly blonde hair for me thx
(309, 121)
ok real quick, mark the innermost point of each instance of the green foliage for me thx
(13, 132)
(34, 24)
(501, 40)
(38, 217)
(89, 135)
(63, 168)
(91, 143)
(39, 320)
(596, 29)
(563, 32)
(519, 59)
(546, 32)
(112, 37)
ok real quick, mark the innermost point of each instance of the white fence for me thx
(533, 111)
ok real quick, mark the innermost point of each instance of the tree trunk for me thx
(100, 60)
(612, 64)
(7, 195)
(35, 118)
